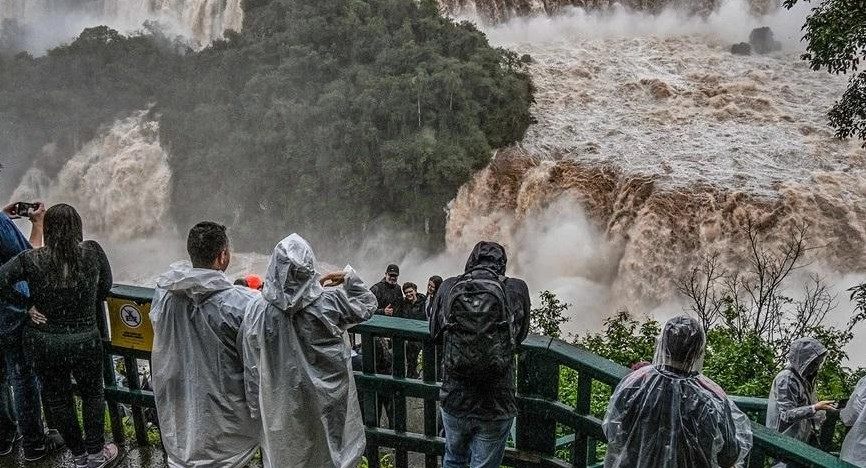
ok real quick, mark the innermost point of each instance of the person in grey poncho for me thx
(298, 365)
(794, 409)
(669, 415)
(198, 372)
(854, 416)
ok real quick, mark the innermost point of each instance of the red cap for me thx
(254, 281)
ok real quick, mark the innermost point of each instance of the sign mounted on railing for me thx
(130, 324)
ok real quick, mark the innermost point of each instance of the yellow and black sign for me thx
(130, 324)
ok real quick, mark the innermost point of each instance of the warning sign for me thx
(130, 324)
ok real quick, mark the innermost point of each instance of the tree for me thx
(547, 319)
(751, 317)
(752, 300)
(334, 118)
(836, 37)
(624, 339)
(338, 119)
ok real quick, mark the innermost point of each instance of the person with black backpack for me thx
(480, 317)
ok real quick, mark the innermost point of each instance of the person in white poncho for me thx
(670, 415)
(854, 416)
(198, 371)
(298, 366)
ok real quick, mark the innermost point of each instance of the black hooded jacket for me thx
(388, 294)
(495, 401)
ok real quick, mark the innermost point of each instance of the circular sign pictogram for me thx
(130, 315)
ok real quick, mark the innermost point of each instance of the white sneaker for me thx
(104, 458)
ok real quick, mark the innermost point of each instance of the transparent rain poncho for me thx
(854, 416)
(198, 369)
(790, 409)
(668, 415)
(299, 370)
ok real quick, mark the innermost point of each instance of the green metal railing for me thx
(548, 432)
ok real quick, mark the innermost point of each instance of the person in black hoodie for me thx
(478, 415)
(388, 293)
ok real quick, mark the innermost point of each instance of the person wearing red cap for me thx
(250, 281)
(254, 282)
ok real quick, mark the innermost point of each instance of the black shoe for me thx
(6, 446)
(48, 447)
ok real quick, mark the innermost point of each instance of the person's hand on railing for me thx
(36, 316)
(333, 279)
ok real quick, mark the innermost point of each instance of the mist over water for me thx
(43, 24)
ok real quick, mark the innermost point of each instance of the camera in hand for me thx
(24, 209)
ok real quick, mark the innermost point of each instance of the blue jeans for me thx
(473, 442)
(27, 401)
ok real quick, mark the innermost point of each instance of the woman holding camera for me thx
(68, 281)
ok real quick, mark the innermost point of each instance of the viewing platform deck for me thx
(549, 432)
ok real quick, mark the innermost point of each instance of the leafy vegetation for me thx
(549, 317)
(331, 118)
(51, 106)
(836, 37)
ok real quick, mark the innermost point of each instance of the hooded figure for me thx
(298, 366)
(791, 408)
(198, 372)
(496, 401)
(854, 416)
(669, 415)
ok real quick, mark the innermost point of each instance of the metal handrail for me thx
(539, 410)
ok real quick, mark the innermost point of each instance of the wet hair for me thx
(437, 281)
(206, 241)
(408, 285)
(63, 236)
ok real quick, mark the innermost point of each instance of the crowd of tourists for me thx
(266, 364)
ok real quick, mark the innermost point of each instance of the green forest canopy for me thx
(330, 118)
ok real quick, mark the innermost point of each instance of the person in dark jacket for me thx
(413, 303)
(27, 401)
(388, 293)
(433, 285)
(413, 308)
(668, 415)
(389, 297)
(478, 418)
(68, 281)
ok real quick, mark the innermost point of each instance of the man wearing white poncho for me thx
(197, 363)
(669, 415)
(298, 367)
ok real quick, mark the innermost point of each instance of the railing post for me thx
(582, 455)
(110, 380)
(430, 414)
(537, 376)
(401, 458)
(369, 400)
(134, 383)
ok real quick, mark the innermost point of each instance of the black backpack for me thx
(479, 332)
